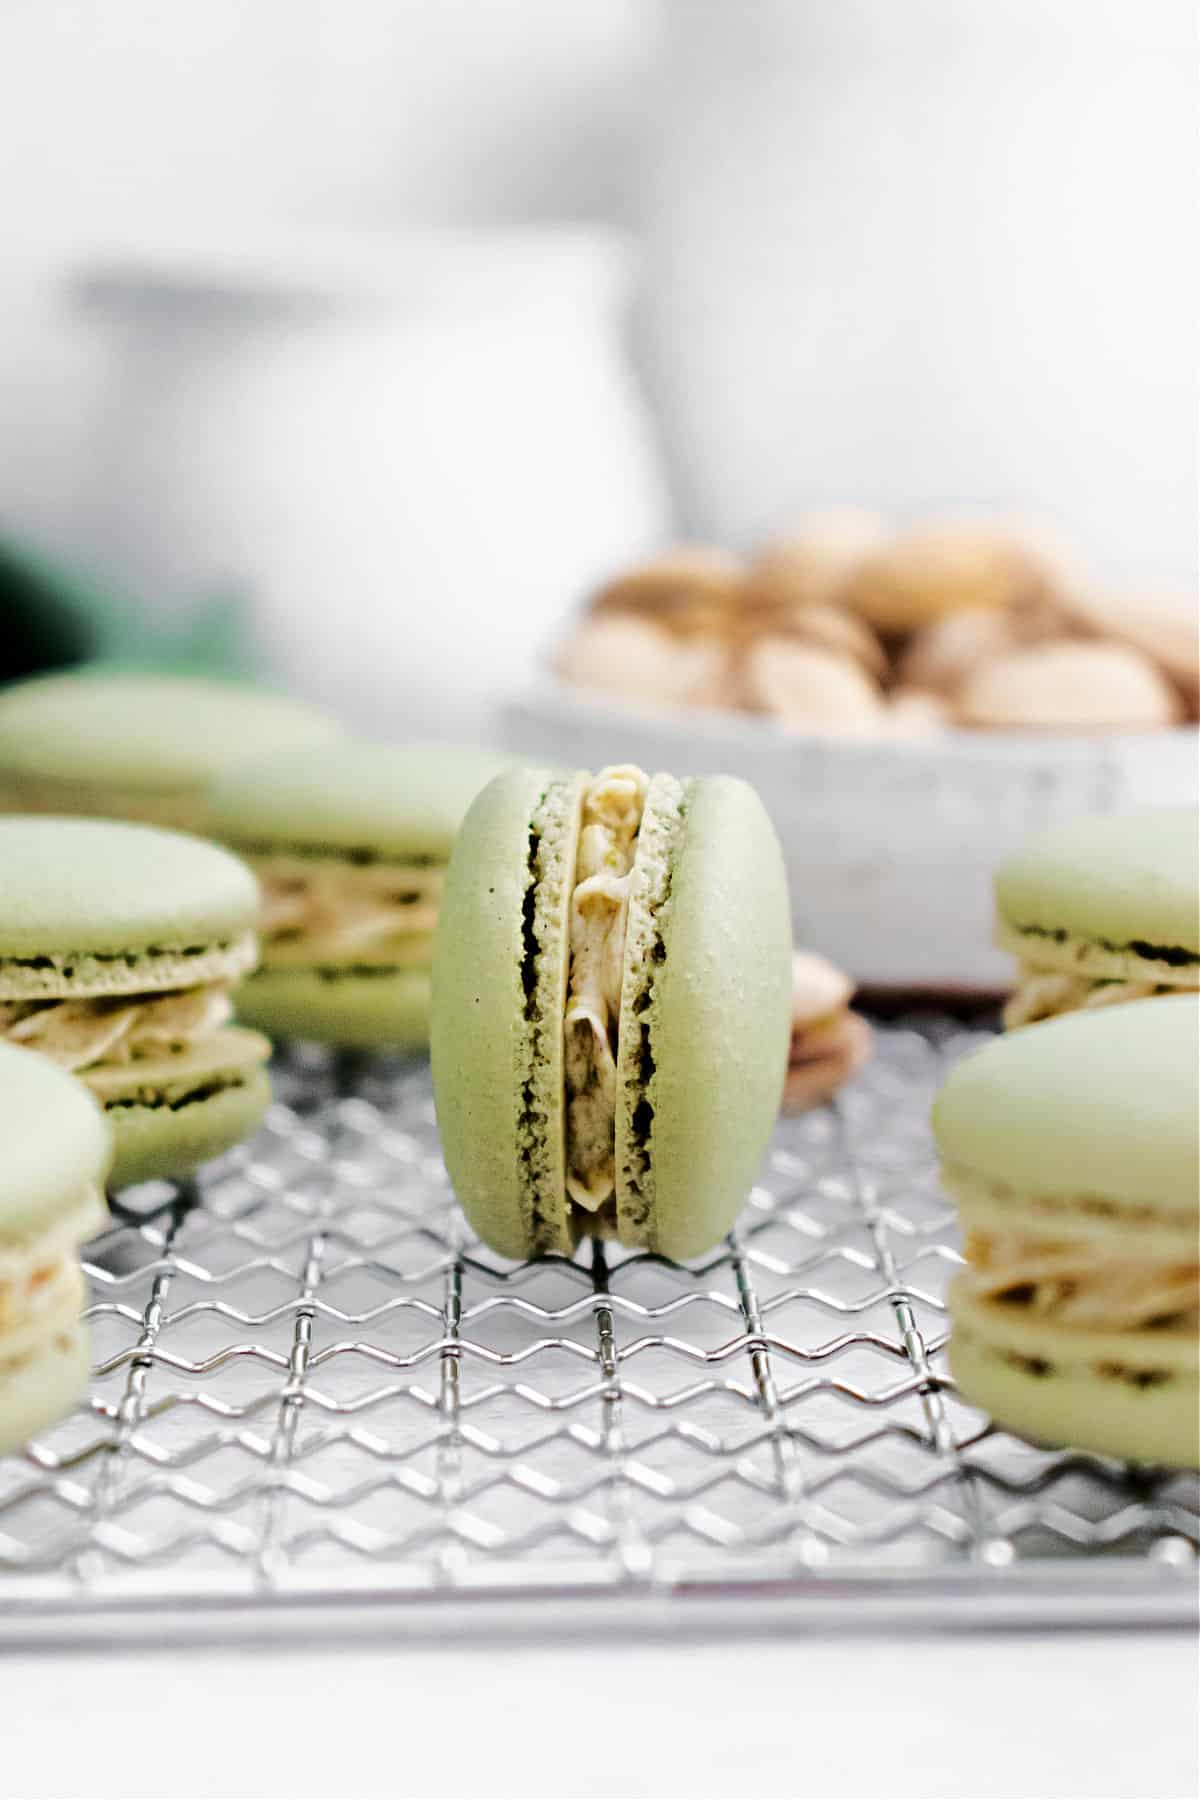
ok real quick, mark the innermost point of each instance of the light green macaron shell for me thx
(718, 1019)
(145, 732)
(1098, 1105)
(111, 894)
(707, 975)
(481, 1035)
(1062, 1398)
(390, 802)
(170, 1140)
(1113, 895)
(57, 1143)
(360, 1009)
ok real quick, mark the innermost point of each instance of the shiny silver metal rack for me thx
(317, 1396)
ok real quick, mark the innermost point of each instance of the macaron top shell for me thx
(57, 1143)
(719, 1018)
(1122, 879)
(145, 732)
(1096, 1105)
(390, 801)
(480, 1044)
(108, 888)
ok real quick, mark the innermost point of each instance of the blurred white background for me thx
(909, 255)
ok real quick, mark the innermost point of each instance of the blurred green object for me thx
(53, 616)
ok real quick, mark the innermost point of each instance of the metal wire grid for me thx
(312, 1381)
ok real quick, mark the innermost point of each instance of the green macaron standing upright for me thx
(611, 1012)
(141, 746)
(119, 948)
(57, 1151)
(1102, 909)
(350, 843)
(1071, 1151)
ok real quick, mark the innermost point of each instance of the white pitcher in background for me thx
(411, 459)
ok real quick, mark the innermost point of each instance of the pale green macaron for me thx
(1102, 909)
(57, 1152)
(350, 843)
(120, 946)
(1071, 1150)
(138, 746)
(612, 1000)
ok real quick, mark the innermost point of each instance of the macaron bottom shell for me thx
(167, 1141)
(43, 1386)
(1070, 1403)
(353, 1008)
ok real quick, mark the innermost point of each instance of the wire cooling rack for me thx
(314, 1389)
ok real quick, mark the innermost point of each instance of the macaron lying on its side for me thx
(612, 1008)
(1102, 910)
(349, 843)
(138, 746)
(119, 947)
(57, 1150)
(1071, 1152)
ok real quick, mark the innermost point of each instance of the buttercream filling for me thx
(329, 910)
(1082, 1284)
(40, 1274)
(612, 815)
(81, 1035)
(1045, 993)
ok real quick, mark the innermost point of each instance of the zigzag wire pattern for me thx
(309, 1373)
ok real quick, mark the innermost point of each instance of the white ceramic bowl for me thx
(890, 846)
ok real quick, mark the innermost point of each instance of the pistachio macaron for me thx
(119, 948)
(57, 1152)
(1101, 910)
(349, 842)
(1071, 1152)
(611, 1008)
(138, 746)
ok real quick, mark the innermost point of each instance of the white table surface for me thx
(1017, 1716)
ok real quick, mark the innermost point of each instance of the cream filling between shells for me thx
(1045, 993)
(613, 804)
(116, 1030)
(1081, 1284)
(329, 910)
(38, 1275)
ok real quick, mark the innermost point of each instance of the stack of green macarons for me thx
(57, 1150)
(1070, 1147)
(138, 746)
(120, 945)
(1071, 1151)
(350, 843)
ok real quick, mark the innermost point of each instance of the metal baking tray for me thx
(318, 1398)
